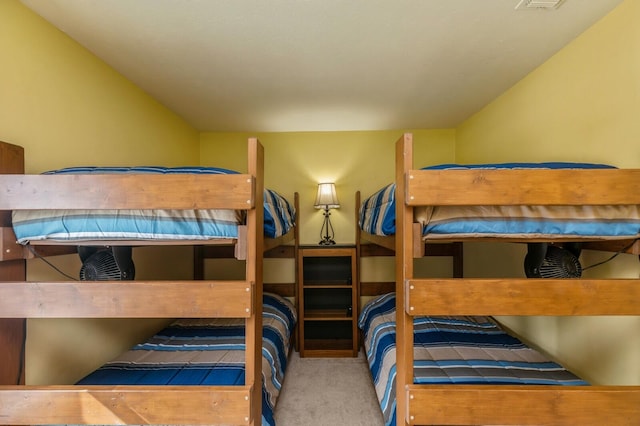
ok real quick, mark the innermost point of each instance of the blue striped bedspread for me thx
(78, 225)
(377, 214)
(207, 352)
(451, 350)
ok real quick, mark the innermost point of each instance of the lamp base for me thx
(327, 241)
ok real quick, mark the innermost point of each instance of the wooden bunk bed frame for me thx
(370, 245)
(72, 404)
(506, 404)
(279, 247)
(274, 248)
(378, 244)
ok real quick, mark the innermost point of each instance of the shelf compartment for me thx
(338, 332)
(329, 345)
(327, 283)
(335, 271)
(327, 299)
(328, 314)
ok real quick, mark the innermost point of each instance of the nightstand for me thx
(328, 291)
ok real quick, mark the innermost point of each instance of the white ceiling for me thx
(316, 65)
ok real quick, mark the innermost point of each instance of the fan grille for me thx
(100, 266)
(560, 263)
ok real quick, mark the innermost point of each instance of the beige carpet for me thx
(328, 392)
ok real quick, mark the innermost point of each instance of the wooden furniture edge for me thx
(503, 404)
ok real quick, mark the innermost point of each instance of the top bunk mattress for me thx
(140, 224)
(377, 215)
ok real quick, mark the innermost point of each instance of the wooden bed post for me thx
(296, 248)
(12, 330)
(404, 271)
(255, 219)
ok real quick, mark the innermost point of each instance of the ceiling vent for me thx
(538, 4)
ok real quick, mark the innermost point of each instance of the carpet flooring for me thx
(328, 392)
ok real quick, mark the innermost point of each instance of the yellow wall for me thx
(353, 160)
(59, 100)
(66, 107)
(581, 105)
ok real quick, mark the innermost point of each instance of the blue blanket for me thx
(207, 352)
(451, 350)
(66, 225)
(377, 214)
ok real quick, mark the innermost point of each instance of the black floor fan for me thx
(544, 260)
(113, 263)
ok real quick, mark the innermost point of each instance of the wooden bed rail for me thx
(522, 187)
(127, 299)
(193, 405)
(523, 405)
(127, 191)
(522, 297)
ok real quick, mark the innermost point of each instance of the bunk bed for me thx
(282, 240)
(516, 404)
(376, 229)
(375, 236)
(237, 403)
(207, 351)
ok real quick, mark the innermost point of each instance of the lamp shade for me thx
(327, 197)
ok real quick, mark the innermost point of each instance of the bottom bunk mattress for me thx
(451, 350)
(208, 352)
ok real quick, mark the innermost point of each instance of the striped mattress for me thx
(207, 352)
(88, 225)
(451, 350)
(377, 215)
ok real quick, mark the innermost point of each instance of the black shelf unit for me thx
(328, 301)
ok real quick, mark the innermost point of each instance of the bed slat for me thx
(126, 299)
(523, 405)
(522, 297)
(125, 405)
(521, 187)
(172, 191)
